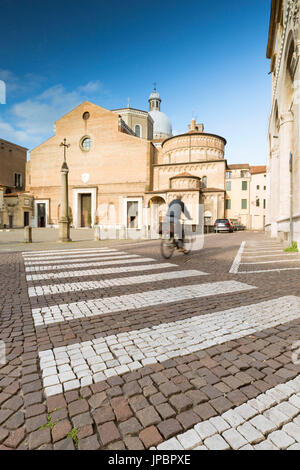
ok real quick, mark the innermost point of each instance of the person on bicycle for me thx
(173, 216)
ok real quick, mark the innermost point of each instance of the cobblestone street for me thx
(109, 346)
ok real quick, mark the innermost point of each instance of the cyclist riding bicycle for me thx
(173, 216)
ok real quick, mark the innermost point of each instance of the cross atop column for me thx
(65, 146)
(154, 84)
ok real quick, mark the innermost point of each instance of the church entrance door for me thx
(86, 210)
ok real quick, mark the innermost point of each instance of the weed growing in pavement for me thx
(293, 248)
(49, 424)
(73, 434)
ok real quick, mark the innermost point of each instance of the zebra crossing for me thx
(264, 257)
(72, 366)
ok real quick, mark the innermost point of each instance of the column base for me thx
(64, 232)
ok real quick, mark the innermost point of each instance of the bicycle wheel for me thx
(187, 245)
(167, 248)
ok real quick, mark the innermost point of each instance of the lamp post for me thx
(64, 223)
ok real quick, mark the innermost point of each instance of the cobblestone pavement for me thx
(113, 347)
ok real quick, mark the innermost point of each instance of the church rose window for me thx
(86, 144)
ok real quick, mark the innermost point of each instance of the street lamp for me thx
(64, 223)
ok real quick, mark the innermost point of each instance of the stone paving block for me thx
(216, 442)
(221, 404)
(38, 438)
(233, 418)
(32, 424)
(246, 411)
(148, 416)
(133, 443)
(189, 439)
(14, 439)
(138, 402)
(187, 419)
(64, 444)
(205, 429)
(234, 439)
(108, 433)
(180, 402)
(130, 427)
(61, 429)
(77, 407)
(281, 439)
(219, 423)
(89, 443)
(82, 420)
(250, 433)
(292, 430)
(288, 409)
(276, 417)
(169, 428)
(295, 401)
(13, 403)
(15, 421)
(165, 411)
(171, 444)
(205, 411)
(4, 415)
(150, 437)
(263, 424)
(265, 445)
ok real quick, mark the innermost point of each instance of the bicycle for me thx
(169, 243)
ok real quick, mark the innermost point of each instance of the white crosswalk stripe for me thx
(95, 272)
(96, 257)
(90, 264)
(90, 308)
(92, 361)
(29, 254)
(121, 281)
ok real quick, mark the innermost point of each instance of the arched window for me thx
(204, 182)
(137, 130)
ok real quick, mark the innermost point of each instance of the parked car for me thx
(223, 225)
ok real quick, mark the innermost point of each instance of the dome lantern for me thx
(154, 101)
(162, 128)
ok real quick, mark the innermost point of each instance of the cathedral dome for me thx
(162, 127)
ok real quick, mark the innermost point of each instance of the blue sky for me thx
(207, 58)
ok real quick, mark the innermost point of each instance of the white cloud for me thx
(18, 86)
(31, 121)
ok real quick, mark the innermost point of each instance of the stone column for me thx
(64, 224)
(285, 147)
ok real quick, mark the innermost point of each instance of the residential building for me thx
(15, 205)
(258, 194)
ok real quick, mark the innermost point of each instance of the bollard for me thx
(97, 234)
(28, 234)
